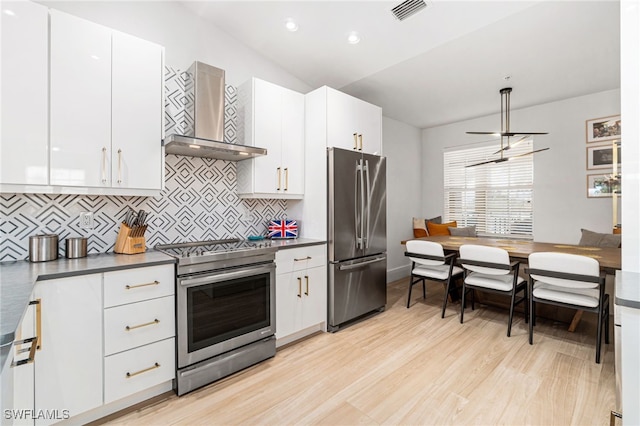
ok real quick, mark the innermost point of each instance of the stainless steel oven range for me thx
(225, 308)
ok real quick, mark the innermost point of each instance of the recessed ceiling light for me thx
(9, 12)
(353, 37)
(291, 25)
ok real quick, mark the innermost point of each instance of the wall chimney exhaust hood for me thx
(205, 104)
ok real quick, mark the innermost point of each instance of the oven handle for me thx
(225, 276)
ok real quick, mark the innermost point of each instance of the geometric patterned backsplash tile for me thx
(199, 201)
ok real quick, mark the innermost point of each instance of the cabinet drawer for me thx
(297, 259)
(146, 366)
(134, 285)
(147, 322)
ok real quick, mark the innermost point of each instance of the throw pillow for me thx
(597, 239)
(437, 219)
(419, 228)
(469, 231)
(440, 229)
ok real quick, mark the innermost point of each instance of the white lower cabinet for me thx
(95, 350)
(139, 330)
(132, 371)
(301, 292)
(68, 370)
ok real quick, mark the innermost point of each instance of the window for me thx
(497, 198)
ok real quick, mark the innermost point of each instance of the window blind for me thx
(496, 198)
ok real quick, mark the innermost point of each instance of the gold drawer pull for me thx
(306, 277)
(300, 260)
(299, 287)
(129, 287)
(153, 367)
(155, 321)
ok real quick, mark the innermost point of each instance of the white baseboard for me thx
(398, 273)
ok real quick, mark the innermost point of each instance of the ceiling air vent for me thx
(408, 8)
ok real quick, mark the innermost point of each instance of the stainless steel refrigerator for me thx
(357, 250)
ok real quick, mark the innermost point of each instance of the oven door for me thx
(223, 310)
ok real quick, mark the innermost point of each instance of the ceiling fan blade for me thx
(497, 160)
(510, 145)
(500, 160)
(528, 153)
(508, 133)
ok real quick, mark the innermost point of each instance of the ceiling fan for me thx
(505, 131)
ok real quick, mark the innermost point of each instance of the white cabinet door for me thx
(69, 362)
(23, 368)
(267, 133)
(342, 120)
(370, 125)
(314, 297)
(80, 70)
(288, 304)
(293, 142)
(24, 141)
(353, 123)
(136, 109)
(275, 121)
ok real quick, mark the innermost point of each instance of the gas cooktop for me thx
(215, 250)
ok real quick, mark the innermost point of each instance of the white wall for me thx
(630, 87)
(185, 36)
(561, 206)
(402, 147)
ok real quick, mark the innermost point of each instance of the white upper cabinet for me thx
(136, 111)
(80, 102)
(24, 152)
(353, 123)
(271, 117)
(84, 101)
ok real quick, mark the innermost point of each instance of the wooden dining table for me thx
(609, 258)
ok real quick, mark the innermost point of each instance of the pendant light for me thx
(505, 131)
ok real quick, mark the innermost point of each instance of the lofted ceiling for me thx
(444, 64)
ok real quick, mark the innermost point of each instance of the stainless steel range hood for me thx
(205, 104)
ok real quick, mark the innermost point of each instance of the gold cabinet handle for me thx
(38, 303)
(306, 277)
(360, 140)
(32, 351)
(133, 327)
(286, 178)
(299, 287)
(129, 287)
(119, 166)
(104, 164)
(153, 367)
(300, 260)
(279, 178)
(355, 141)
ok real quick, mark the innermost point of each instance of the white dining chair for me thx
(572, 281)
(489, 269)
(430, 263)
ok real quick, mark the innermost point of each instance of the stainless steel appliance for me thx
(357, 235)
(225, 308)
(205, 104)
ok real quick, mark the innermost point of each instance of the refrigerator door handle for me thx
(360, 265)
(366, 169)
(355, 210)
(360, 176)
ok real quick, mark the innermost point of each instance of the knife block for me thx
(128, 244)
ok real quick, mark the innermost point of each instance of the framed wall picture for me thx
(604, 129)
(601, 156)
(602, 185)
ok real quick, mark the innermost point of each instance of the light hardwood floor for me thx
(409, 366)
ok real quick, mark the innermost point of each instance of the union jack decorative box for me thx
(283, 228)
